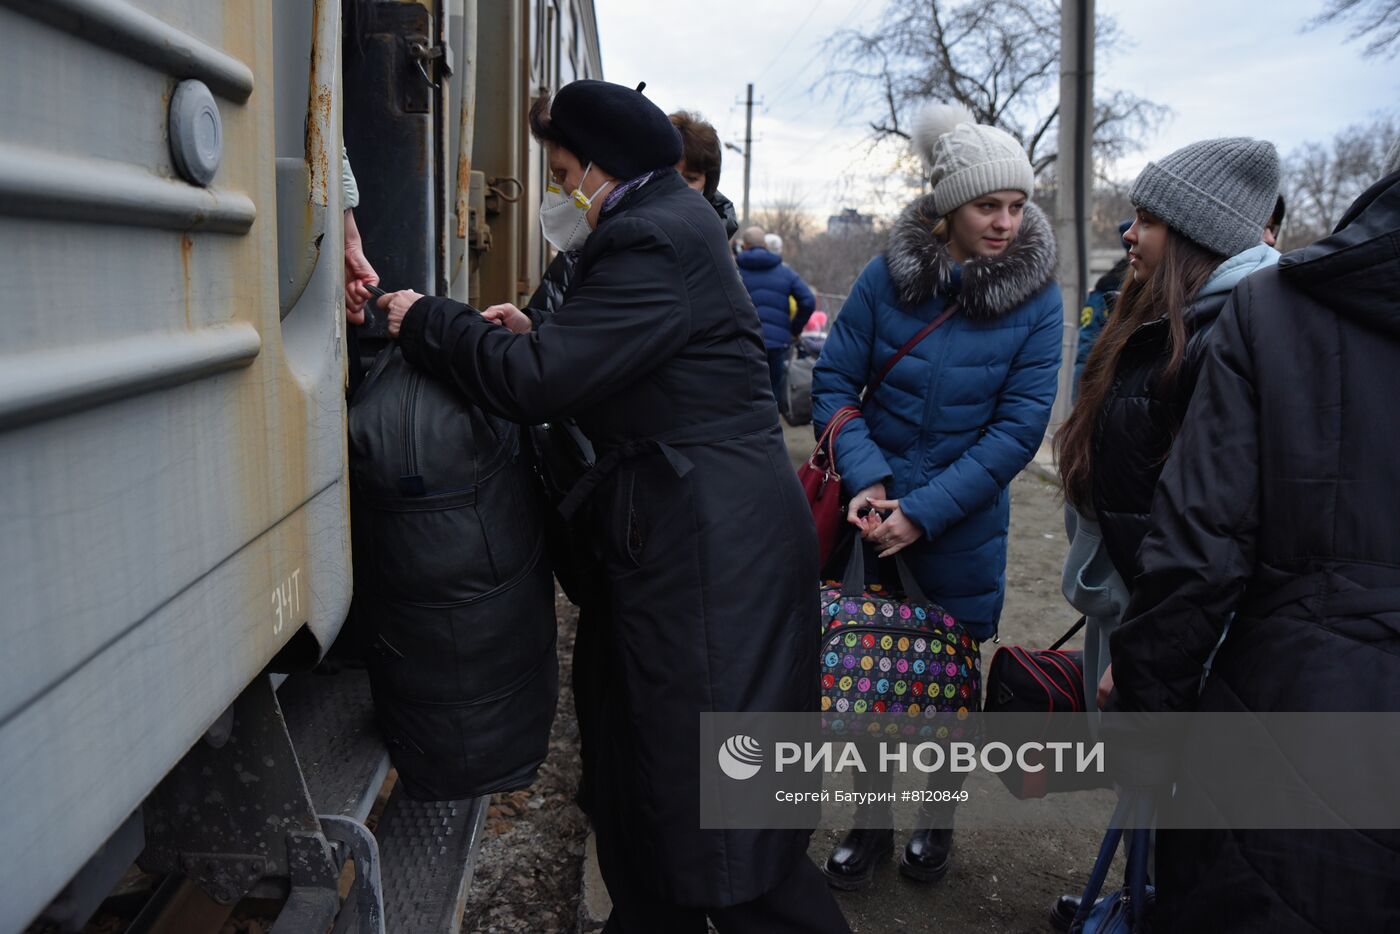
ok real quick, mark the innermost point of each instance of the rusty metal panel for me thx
(172, 452)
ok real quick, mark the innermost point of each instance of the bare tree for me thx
(785, 217)
(831, 262)
(1321, 179)
(999, 58)
(1376, 21)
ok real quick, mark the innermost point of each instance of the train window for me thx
(293, 29)
(552, 77)
(539, 60)
(291, 49)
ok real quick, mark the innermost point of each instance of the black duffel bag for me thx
(453, 591)
(1039, 681)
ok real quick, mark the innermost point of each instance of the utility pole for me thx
(1074, 170)
(748, 149)
(746, 152)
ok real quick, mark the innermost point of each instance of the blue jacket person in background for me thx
(1097, 306)
(771, 283)
(957, 418)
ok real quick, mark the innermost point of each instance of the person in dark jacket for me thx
(1200, 215)
(705, 535)
(960, 415)
(772, 285)
(1277, 507)
(701, 160)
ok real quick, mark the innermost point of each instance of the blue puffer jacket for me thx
(770, 283)
(955, 420)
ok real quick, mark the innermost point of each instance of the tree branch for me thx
(1035, 139)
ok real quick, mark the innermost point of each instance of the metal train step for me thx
(427, 850)
(331, 720)
(428, 853)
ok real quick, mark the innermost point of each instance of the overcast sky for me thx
(1225, 67)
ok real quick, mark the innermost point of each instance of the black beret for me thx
(614, 126)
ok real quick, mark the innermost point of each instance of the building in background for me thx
(849, 221)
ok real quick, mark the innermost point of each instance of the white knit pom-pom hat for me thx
(965, 159)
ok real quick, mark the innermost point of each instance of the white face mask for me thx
(564, 218)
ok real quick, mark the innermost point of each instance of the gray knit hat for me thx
(965, 159)
(1218, 192)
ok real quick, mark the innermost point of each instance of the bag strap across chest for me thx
(909, 345)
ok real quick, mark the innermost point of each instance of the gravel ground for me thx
(529, 869)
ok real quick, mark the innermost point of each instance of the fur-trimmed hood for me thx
(920, 264)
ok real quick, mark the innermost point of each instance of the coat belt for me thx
(1338, 589)
(665, 444)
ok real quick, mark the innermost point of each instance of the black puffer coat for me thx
(1279, 504)
(1139, 418)
(553, 284)
(708, 544)
(725, 209)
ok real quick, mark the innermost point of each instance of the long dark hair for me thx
(1185, 267)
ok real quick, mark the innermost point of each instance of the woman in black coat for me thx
(706, 537)
(701, 157)
(1200, 216)
(1279, 506)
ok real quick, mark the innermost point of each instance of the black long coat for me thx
(709, 546)
(1279, 503)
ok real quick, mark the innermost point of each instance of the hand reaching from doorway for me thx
(358, 273)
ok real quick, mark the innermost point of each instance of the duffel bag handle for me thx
(912, 591)
(853, 581)
(1070, 632)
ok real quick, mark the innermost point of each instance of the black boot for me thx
(1063, 910)
(852, 864)
(928, 854)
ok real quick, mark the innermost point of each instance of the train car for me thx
(174, 536)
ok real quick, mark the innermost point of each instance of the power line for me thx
(793, 84)
(791, 36)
